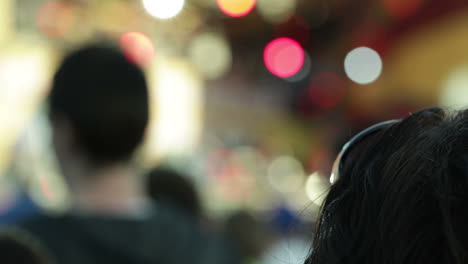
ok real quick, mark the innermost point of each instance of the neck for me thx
(114, 189)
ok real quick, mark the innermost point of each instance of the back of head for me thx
(105, 99)
(401, 196)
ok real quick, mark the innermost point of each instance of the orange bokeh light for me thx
(236, 8)
(55, 19)
(137, 47)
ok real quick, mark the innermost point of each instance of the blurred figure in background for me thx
(168, 186)
(249, 235)
(99, 113)
(171, 188)
(399, 194)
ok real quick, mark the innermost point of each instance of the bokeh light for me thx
(363, 65)
(326, 90)
(276, 11)
(236, 8)
(304, 72)
(163, 9)
(286, 174)
(137, 47)
(284, 57)
(55, 19)
(176, 104)
(211, 54)
(316, 188)
(401, 9)
(454, 93)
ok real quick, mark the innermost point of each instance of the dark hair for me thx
(171, 187)
(401, 196)
(105, 98)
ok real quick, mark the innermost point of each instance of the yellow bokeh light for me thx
(23, 72)
(236, 8)
(176, 110)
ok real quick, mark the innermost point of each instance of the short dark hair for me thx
(105, 98)
(401, 196)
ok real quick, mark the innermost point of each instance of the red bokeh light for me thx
(137, 47)
(236, 8)
(326, 89)
(55, 19)
(401, 9)
(284, 57)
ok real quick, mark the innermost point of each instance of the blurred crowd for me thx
(98, 111)
(220, 131)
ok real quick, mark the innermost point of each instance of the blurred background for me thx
(251, 98)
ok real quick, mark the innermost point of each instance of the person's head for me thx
(98, 107)
(168, 186)
(400, 196)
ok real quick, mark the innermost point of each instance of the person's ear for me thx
(63, 134)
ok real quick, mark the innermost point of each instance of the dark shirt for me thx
(162, 236)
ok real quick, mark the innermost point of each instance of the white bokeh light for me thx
(211, 54)
(286, 174)
(276, 11)
(163, 9)
(363, 65)
(316, 188)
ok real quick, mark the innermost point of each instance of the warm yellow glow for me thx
(164, 9)
(211, 54)
(236, 8)
(176, 109)
(23, 78)
(316, 188)
(6, 19)
(454, 93)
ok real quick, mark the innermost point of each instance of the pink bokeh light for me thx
(284, 57)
